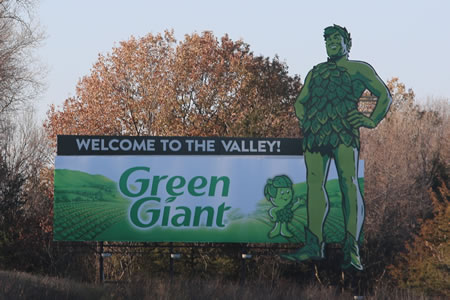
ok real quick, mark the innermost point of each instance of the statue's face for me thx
(335, 45)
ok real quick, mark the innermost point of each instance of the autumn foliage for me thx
(198, 87)
(406, 162)
(425, 263)
(203, 86)
(208, 86)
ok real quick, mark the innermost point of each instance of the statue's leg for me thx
(347, 160)
(317, 166)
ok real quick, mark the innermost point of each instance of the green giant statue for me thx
(327, 110)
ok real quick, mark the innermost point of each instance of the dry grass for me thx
(218, 289)
(14, 285)
(18, 285)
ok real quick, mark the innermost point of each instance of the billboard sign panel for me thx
(183, 189)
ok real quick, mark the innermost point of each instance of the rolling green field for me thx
(90, 208)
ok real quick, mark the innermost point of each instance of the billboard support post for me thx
(171, 261)
(100, 262)
(243, 258)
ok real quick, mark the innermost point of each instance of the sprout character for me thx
(279, 191)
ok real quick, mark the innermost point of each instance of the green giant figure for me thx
(327, 110)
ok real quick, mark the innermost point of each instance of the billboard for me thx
(184, 189)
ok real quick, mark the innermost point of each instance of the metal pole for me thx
(243, 251)
(100, 261)
(171, 261)
(192, 260)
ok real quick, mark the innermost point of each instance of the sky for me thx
(408, 39)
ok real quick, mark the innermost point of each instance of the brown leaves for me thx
(402, 98)
(198, 87)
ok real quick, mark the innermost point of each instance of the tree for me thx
(200, 86)
(402, 98)
(425, 265)
(401, 157)
(23, 146)
(24, 198)
(11, 186)
(19, 36)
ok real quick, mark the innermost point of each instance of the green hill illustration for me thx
(79, 186)
(85, 205)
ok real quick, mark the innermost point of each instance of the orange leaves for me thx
(200, 86)
(424, 266)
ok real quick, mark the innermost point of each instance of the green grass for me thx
(82, 221)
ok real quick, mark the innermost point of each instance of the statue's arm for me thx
(376, 86)
(301, 98)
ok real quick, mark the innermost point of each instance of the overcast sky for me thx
(405, 39)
